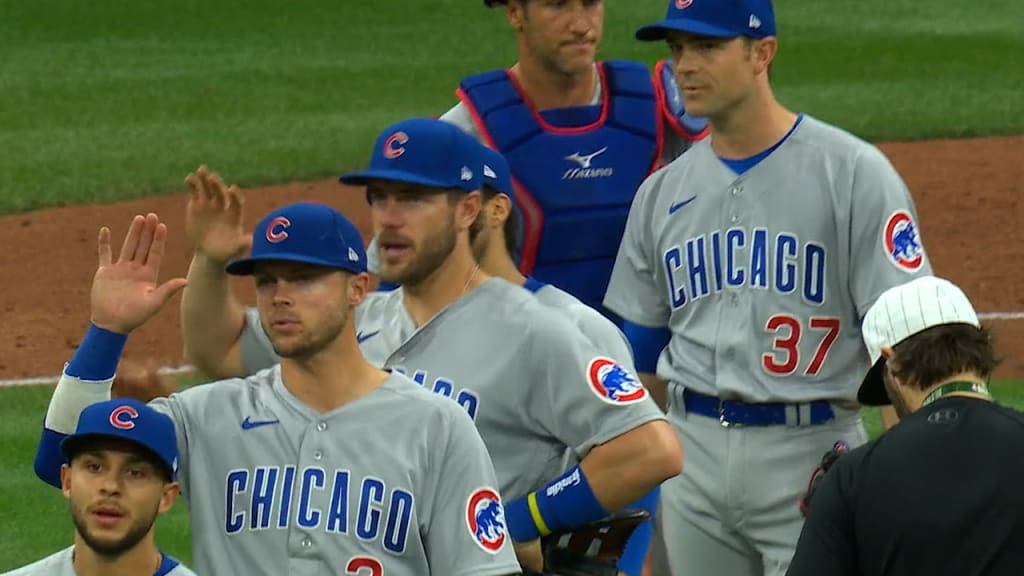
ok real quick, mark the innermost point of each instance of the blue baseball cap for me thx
(496, 172)
(720, 18)
(304, 232)
(424, 151)
(126, 419)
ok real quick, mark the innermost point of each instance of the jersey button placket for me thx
(321, 426)
(307, 543)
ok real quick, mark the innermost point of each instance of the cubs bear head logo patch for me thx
(485, 518)
(902, 242)
(613, 383)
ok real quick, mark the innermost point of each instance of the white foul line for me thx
(50, 380)
(42, 380)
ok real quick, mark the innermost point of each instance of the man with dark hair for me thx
(940, 492)
(119, 474)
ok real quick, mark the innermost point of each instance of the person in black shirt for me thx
(942, 491)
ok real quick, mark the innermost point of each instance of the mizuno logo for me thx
(360, 337)
(676, 206)
(250, 424)
(584, 161)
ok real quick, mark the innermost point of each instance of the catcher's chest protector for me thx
(575, 169)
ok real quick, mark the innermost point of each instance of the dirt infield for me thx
(967, 193)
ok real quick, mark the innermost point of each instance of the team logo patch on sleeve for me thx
(613, 383)
(902, 242)
(485, 518)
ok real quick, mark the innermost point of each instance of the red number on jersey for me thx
(364, 566)
(785, 358)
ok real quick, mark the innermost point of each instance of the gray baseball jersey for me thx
(763, 277)
(60, 564)
(533, 384)
(596, 327)
(395, 482)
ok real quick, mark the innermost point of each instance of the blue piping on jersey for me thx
(166, 565)
(533, 285)
(743, 165)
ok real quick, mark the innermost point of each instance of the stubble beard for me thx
(435, 250)
(309, 344)
(115, 548)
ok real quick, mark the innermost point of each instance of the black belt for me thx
(735, 412)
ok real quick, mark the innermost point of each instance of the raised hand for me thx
(125, 292)
(213, 219)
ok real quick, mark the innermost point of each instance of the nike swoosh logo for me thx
(673, 208)
(250, 424)
(360, 337)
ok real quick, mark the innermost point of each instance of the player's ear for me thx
(501, 210)
(763, 52)
(357, 286)
(515, 13)
(170, 494)
(467, 210)
(65, 480)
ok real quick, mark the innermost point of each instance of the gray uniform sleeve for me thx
(886, 248)
(577, 393)
(635, 290)
(605, 335)
(466, 533)
(257, 351)
(175, 407)
(459, 116)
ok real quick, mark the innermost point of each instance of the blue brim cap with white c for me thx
(424, 151)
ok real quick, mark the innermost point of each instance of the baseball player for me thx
(533, 384)
(940, 492)
(119, 476)
(753, 257)
(324, 464)
(493, 246)
(579, 135)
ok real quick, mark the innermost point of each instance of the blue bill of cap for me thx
(244, 266)
(659, 30)
(361, 178)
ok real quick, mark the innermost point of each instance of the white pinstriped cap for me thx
(902, 311)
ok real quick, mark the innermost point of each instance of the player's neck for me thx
(333, 377)
(915, 397)
(144, 559)
(497, 262)
(548, 89)
(752, 127)
(455, 277)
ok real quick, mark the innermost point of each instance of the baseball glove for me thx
(827, 461)
(590, 550)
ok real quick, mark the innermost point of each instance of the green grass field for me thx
(117, 99)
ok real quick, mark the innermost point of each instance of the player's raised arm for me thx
(212, 318)
(125, 294)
